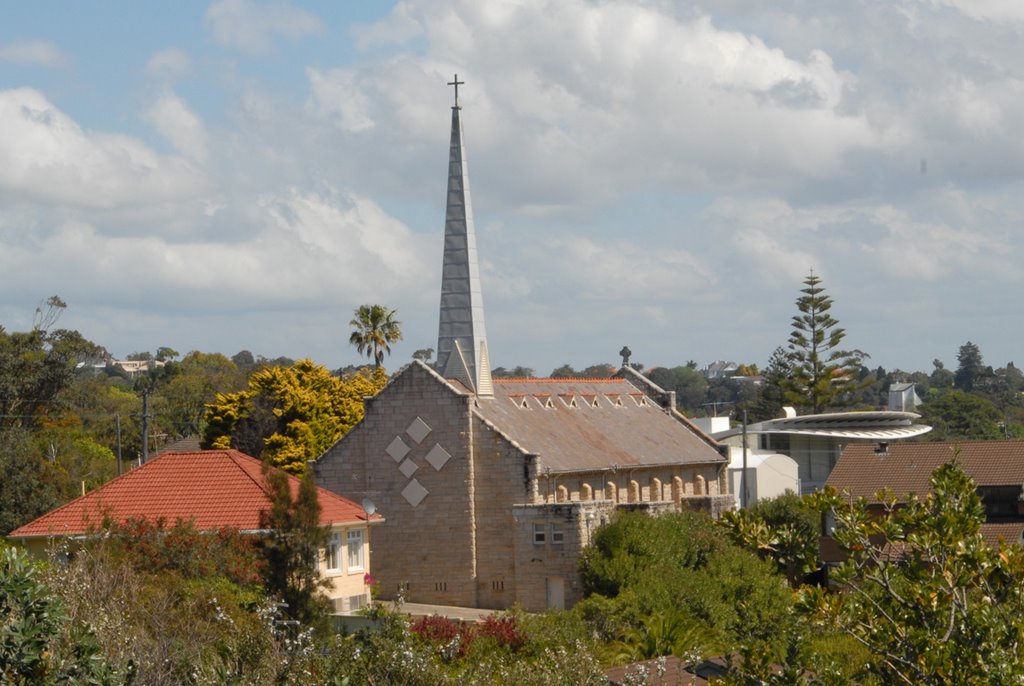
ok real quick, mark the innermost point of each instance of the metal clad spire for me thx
(461, 337)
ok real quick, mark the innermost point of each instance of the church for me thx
(491, 488)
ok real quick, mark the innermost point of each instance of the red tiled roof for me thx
(213, 488)
(906, 468)
(1009, 532)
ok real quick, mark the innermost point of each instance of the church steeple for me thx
(461, 336)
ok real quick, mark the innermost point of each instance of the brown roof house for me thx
(214, 489)
(997, 468)
(491, 487)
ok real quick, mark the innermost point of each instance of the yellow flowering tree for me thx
(290, 415)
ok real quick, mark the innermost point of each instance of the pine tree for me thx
(292, 547)
(770, 398)
(821, 372)
(971, 369)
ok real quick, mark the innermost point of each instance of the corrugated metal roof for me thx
(592, 424)
(907, 467)
(214, 488)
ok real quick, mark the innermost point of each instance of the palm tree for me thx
(374, 330)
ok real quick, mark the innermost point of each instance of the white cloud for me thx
(304, 250)
(623, 271)
(251, 26)
(177, 123)
(580, 99)
(986, 10)
(46, 156)
(879, 241)
(170, 63)
(334, 94)
(38, 52)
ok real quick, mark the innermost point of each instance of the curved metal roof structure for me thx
(878, 425)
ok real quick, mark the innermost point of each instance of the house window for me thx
(334, 553)
(557, 535)
(355, 550)
(539, 534)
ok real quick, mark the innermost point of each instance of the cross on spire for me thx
(456, 83)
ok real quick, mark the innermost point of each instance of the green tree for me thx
(946, 608)
(165, 354)
(244, 360)
(514, 373)
(940, 376)
(36, 369)
(955, 414)
(598, 371)
(689, 384)
(783, 529)
(27, 489)
(566, 371)
(971, 367)
(290, 415)
(771, 397)
(821, 372)
(194, 383)
(374, 330)
(293, 546)
(642, 572)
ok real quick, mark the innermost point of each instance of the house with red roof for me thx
(214, 489)
(997, 468)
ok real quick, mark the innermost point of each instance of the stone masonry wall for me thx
(548, 542)
(410, 455)
(502, 478)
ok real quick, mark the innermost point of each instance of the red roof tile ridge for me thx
(91, 495)
(235, 456)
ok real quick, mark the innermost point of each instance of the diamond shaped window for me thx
(414, 493)
(438, 457)
(418, 430)
(397, 449)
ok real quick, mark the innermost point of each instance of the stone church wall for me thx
(549, 539)
(503, 478)
(411, 458)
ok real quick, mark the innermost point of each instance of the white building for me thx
(763, 473)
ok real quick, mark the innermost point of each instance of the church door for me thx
(556, 592)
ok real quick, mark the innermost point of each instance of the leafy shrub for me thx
(155, 547)
(39, 643)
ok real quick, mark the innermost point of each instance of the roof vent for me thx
(882, 448)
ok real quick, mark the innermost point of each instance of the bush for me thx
(39, 643)
(679, 576)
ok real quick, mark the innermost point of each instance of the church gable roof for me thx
(591, 424)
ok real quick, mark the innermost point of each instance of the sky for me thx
(242, 175)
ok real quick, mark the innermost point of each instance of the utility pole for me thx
(145, 425)
(746, 489)
(118, 420)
